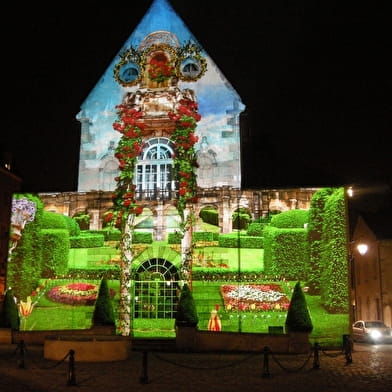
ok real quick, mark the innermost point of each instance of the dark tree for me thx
(103, 310)
(298, 317)
(186, 314)
(9, 317)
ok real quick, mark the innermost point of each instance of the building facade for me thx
(372, 273)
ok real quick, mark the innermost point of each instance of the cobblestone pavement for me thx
(321, 371)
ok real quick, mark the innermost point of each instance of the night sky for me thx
(315, 79)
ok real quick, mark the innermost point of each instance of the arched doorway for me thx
(155, 289)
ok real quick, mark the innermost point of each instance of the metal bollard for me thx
(316, 361)
(144, 376)
(266, 373)
(22, 349)
(71, 369)
(347, 347)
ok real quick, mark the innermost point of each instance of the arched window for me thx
(154, 171)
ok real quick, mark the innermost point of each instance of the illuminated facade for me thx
(160, 65)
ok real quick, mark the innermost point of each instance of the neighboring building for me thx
(372, 271)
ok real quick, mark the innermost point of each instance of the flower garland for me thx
(160, 70)
(185, 162)
(127, 151)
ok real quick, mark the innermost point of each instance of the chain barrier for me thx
(22, 354)
(316, 360)
(294, 369)
(267, 353)
(266, 372)
(71, 369)
(144, 376)
(348, 345)
(231, 364)
(347, 349)
(21, 350)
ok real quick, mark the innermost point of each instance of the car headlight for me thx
(375, 334)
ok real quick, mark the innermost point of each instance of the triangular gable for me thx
(362, 231)
(219, 107)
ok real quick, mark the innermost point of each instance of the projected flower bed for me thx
(253, 297)
(76, 293)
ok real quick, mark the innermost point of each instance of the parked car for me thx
(371, 331)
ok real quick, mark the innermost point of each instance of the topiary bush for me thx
(103, 309)
(255, 229)
(53, 220)
(290, 219)
(210, 215)
(24, 266)
(241, 219)
(186, 314)
(9, 317)
(82, 218)
(298, 317)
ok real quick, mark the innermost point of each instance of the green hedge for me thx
(174, 238)
(24, 267)
(108, 233)
(112, 273)
(52, 220)
(210, 216)
(203, 236)
(334, 258)
(290, 219)
(256, 229)
(243, 241)
(315, 230)
(87, 240)
(55, 252)
(286, 252)
(141, 237)
(222, 275)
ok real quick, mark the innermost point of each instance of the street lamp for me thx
(362, 249)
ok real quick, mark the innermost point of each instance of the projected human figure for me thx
(214, 323)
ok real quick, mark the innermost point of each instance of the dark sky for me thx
(315, 77)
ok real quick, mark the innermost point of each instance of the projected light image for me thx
(247, 275)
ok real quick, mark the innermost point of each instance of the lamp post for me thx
(361, 248)
(354, 247)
